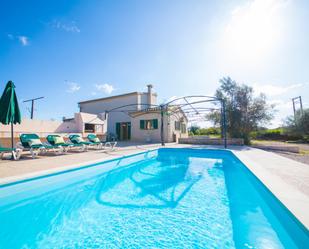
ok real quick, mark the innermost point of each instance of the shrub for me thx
(280, 134)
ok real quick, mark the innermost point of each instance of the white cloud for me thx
(68, 27)
(281, 97)
(280, 104)
(11, 37)
(73, 87)
(24, 40)
(105, 88)
(275, 90)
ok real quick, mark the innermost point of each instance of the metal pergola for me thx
(192, 106)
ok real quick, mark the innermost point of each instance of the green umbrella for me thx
(9, 110)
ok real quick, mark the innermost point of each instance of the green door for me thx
(118, 131)
(123, 130)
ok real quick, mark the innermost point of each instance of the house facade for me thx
(146, 125)
(136, 116)
(84, 123)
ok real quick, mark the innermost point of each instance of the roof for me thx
(90, 118)
(113, 97)
(145, 111)
(158, 110)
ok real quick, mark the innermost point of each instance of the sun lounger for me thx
(94, 139)
(78, 140)
(33, 143)
(16, 152)
(57, 140)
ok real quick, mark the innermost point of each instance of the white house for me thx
(132, 116)
(133, 101)
(136, 116)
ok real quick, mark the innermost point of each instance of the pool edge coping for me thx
(277, 186)
(12, 180)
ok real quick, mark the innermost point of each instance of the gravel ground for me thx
(303, 158)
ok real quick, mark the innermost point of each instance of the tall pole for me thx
(295, 101)
(12, 135)
(301, 105)
(294, 107)
(221, 121)
(162, 125)
(32, 108)
(224, 123)
(32, 105)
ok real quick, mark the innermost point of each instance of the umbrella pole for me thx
(12, 138)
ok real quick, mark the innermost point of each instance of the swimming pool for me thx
(166, 198)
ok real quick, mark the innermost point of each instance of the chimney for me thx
(150, 95)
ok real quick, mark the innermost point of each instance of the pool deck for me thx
(287, 179)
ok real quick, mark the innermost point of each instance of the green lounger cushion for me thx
(96, 140)
(25, 138)
(93, 139)
(34, 142)
(79, 139)
(2, 149)
(58, 140)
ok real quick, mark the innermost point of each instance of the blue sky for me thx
(70, 51)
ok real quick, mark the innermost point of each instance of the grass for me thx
(303, 150)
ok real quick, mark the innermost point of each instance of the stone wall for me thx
(284, 148)
(210, 141)
(30, 126)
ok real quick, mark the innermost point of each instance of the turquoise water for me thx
(170, 198)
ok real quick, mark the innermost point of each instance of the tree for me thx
(299, 124)
(194, 130)
(244, 112)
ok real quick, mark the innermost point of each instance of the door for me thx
(123, 130)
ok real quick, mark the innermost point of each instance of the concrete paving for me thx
(287, 179)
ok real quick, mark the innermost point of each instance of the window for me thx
(183, 128)
(90, 128)
(150, 124)
(177, 125)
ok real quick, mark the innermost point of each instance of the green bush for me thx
(280, 134)
(209, 131)
(194, 130)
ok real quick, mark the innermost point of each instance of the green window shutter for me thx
(155, 123)
(142, 124)
(118, 130)
(129, 130)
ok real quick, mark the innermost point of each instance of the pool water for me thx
(167, 198)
